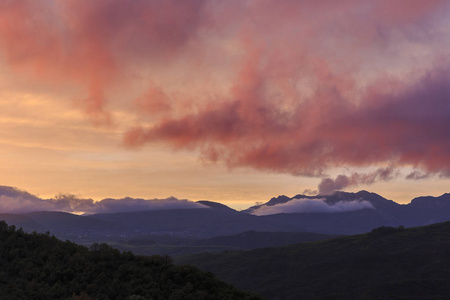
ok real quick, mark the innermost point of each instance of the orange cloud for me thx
(92, 43)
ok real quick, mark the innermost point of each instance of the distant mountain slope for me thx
(150, 244)
(66, 224)
(428, 210)
(25, 222)
(257, 239)
(350, 222)
(387, 263)
(197, 223)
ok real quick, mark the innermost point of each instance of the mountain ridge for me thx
(338, 196)
(339, 213)
(331, 199)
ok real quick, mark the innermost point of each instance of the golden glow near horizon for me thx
(47, 148)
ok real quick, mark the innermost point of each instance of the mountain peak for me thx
(337, 202)
(215, 205)
(428, 200)
(278, 200)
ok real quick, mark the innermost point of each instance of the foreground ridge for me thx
(39, 266)
(386, 263)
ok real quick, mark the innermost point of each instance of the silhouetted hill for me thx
(387, 263)
(39, 266)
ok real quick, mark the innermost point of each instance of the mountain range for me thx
(341, 213)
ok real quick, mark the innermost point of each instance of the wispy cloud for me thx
(417, 175)
(310, 192)
(328, 185)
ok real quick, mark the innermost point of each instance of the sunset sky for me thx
(229, 101)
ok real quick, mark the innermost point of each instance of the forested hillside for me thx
(387, 263)
(39, 266)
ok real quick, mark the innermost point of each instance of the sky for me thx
(229, 101)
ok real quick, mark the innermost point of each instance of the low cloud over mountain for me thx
(307, 205)
(15, 201)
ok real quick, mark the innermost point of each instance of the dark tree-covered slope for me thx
(39, 266)
(387, 263)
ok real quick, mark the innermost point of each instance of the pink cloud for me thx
(155, 101)
(92, 43)
(408, 128)
(310, 85)
(395, 121)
